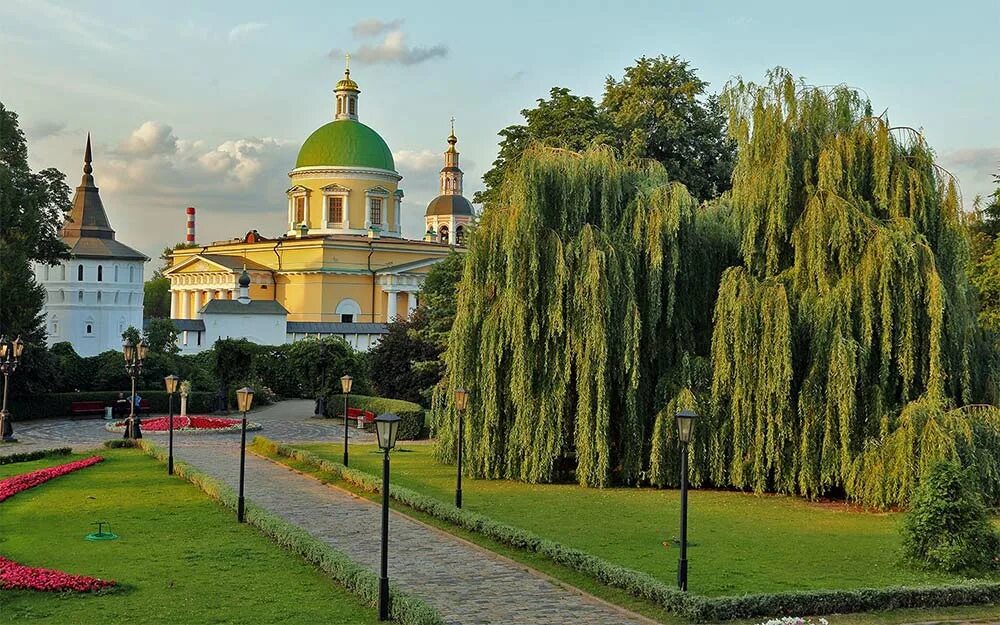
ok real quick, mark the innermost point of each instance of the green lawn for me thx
(182, 559)
(739, 543)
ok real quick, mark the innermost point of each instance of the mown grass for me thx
(181, 558)
(739, 543)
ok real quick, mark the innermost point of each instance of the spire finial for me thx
(347, 64)
(452, 126)
(88, 158)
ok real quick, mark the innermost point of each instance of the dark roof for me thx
(189, 325)
(87, 230)
(449, 205)
(324, 327)
(90, 247)
(235, 307)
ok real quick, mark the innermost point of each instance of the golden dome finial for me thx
(347, 63)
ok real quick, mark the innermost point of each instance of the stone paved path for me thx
(468, 585)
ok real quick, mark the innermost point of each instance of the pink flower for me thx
(14, 576)
(13, 485)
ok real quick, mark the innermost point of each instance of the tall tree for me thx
(658, 110)
(33, 207)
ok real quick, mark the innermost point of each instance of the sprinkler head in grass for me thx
(100, 534)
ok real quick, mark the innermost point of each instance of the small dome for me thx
(244, 279)
(449, 205)
(345, 143)
(347, 83)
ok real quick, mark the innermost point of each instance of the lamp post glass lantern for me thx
(10, 358)
(170, 382)
(685, 429)
(386, 428)
(461, 403)
(346, 383)
(135, 355)
(244, 400)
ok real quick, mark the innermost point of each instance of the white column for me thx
(174, 304)
(195, 303)
(391, 311)
(451, 230)
(411, 303)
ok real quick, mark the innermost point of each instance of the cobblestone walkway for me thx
(466, 584)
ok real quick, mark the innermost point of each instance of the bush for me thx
(948, 526)
(357, 579)
(28, 456)
(412, 415)
(644, 586)
(59, 404)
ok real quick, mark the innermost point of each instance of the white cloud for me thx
(149, 139)
(974, 168)
(393, 49)
(374, 27)
(243, 30)
(45, 129)
(418, 161)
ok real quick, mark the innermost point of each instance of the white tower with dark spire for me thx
(449, 214)
(95, 295)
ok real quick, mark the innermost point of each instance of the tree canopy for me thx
(658, 110)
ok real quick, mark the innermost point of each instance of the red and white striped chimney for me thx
(190, 224)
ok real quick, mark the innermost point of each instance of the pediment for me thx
(378, 190)
(297, 189)
(335, 188)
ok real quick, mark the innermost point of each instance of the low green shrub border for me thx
(59, 404)
(411, 426)
(28, 456)
(403, 608)
(645, 586)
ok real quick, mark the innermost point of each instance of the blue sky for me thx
(206, 103)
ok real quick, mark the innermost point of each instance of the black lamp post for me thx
(386, 427)
(10, 357)
(244, 399)
(461, 403)
(171, 383)
(685, 428)
(345, 386)
(135, 355)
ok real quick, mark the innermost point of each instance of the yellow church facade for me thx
(342, 267)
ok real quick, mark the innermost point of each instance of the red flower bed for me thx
(14, 576)
(13, 485)
(190, 423)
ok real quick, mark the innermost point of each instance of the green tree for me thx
(658, 110)
(948, 527)
(161, 336)
(320, 363)
(33, 207)
(156, 298)
(396, 360)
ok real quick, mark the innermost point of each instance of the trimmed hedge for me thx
(28, 456)
(645, 586)
(403, 608)
(58, 404)
(411, 426)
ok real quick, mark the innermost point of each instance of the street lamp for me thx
(10, 357)
(386, 428)
(461, 402)
(135, 355)
(345, 386)
(685, 428)
(171, 383)
(244, 399)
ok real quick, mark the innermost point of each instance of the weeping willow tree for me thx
(852, 301)
(581, 308)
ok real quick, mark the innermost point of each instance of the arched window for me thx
(79, 273)
(54, 325)
(88, 327)
(100, 273)
(98, 296)
(62, 295)
(79, 296)
(443, 234)
(353, 105)
(340, 106)
(460, 235)
(349, 311)
(116, 273)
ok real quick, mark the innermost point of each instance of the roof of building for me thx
(324, 327)
(183, 325)
(449, 205)
(235, 307)
(345, 143)
(87, 231)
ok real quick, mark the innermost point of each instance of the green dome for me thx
(345, 143)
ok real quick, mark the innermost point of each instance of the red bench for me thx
(363, 417)
(86, 407)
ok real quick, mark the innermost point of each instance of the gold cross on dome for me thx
(452, 125)
(347, 61)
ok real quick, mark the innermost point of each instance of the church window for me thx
(55, 326)
(62, 295)
(79, 273)
(443, 234)
(100, 273)
(116, 273)
(79, 296)
(300, 209)
(353, 104)
(88, 327)
(98, 296)
(460, 235)
(347, 318)
(336, 209)
(376, 204)
(340, 106)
